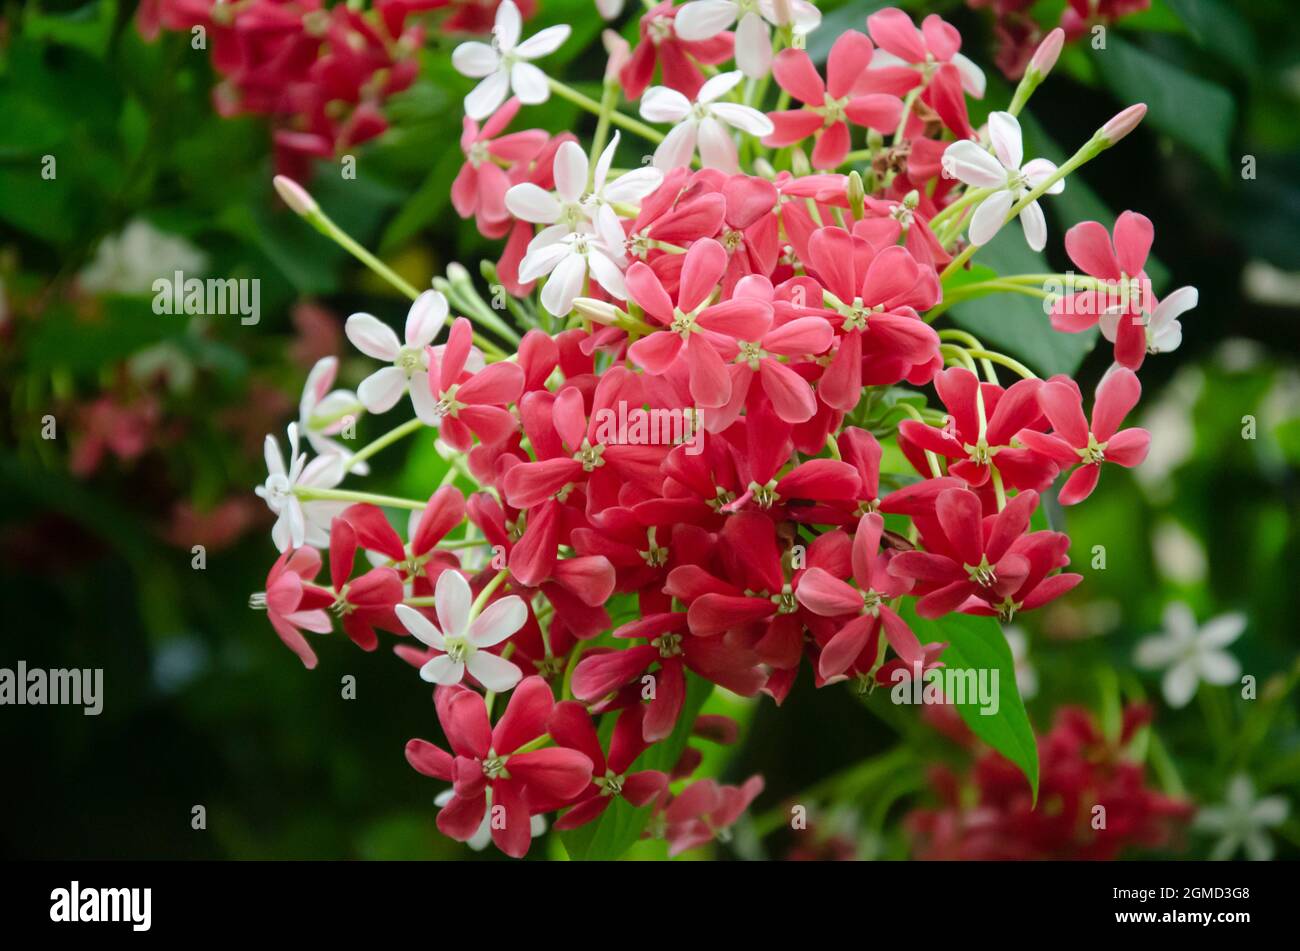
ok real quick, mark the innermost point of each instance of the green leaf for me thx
(1015, 323)
(620, 826)
(977, 643)
(1192, 111)
(1220, 30)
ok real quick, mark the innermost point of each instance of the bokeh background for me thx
(159, 422)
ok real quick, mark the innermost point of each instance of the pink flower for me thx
(967, 555)
(570, 725)
(483, 759)
(465, 404)
(827, 105)
(1126, 293)
(293, 604)
(705, 810)
(824, 594)
(1072, 442)
(366, 602)
(699, 335)
(480, 187)
(679, 59)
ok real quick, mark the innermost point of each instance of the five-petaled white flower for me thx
(299, 523)
(324, 413)
(1241, 822)
(1191, 654)
(704, 122)
(1003, 172)
(573, 207)
(380, 391)
(568, 261)
(463, 642)
(704, 19)
(504, 66)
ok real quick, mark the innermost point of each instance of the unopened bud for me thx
(856, 193)
(1122, 124)
(799, 162)
(1048, 51)
(911, 200)
(602, 312)
(457, 274)
(295, 196)
(763, 168)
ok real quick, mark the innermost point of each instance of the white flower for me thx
(568, 262)
(299, 523)
(505, 65)
(483, 835)
(1002, 170)
(323, 412)
(380, 391)
(464, 642)
(705, 121)
(1241, 822)
(1026, 675)
(130, 262)
(704, 19)
(609, 9)
(1191, 655)
(1164, 331)
(573, 207)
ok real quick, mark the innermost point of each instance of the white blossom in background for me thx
(129, 262)
(1004, 172)
(1189, 654)
(1026, 675)
(409, 371)
(705, 122)
(323, 413)
(505, 66)
(1241, 823)
(704, 19)
(464, 642)
(299, 523)
(609, 9)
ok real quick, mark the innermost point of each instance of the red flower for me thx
(1073, 442)
(293, 604)
(484, 758)
(679, 60)
(480, 187)
(827, 105)
(705, 810)
(366, 602)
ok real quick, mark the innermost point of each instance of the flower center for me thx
(832, 110)
(785, 601)
(409, 359)
(659, 29)
(871, 602)
(477, 154)
(494, 766)
(982, 574)
(683, 323)
(750, 353)
(610, 784)
(765, 496)
(590, 456)
(669, 645)
(459, 649)
(1094, 453)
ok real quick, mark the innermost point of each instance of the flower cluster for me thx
(695, 467)
(1094, 803)
(322, 73)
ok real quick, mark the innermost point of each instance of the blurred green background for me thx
(159, 423)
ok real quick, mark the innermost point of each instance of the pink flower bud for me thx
(1045, 56)
(1123, 123)
(619, 53)
(295, 196)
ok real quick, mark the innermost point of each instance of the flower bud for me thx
(602, 312)
(1122, 124)
(295, 196)
(856, 193)
(1048, 51)
(619, 53)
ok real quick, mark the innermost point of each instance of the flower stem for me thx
(592, 106)
(481, 601)
(387, 439)
(308, 494)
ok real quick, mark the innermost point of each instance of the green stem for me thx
(481, 601)
(387, 439)
(592, 106)
(307, 494)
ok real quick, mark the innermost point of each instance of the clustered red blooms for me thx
(321, 72)
(755, 310)
(1018, 33)
(989, 814)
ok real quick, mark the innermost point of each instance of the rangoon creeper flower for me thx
(299, 523)
(1241, 822)
(481, 839)
(1003, 172)
(1191, 654)
(380, 391)
(505, 66)
(568, 262)
(703, 122)
(705, 19)
(464, 643)
(323, 413)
